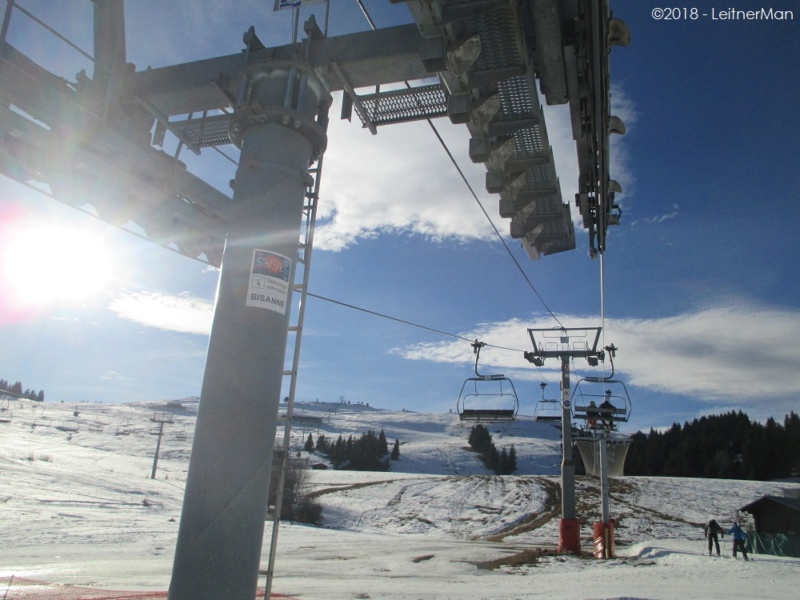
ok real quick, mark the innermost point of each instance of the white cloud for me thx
(619, 168)
(728, 353)
(182, 313)
(115, 376)
(732, 354)
(400, 180)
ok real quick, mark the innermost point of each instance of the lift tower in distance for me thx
(566, 343)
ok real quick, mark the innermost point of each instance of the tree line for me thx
(727, 446)
(370, 452)
(503, 462)
(16, 390)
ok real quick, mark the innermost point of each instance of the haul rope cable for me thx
(405, 322)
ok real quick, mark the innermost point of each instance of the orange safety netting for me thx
(19, 588)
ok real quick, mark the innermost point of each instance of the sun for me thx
(44, 264)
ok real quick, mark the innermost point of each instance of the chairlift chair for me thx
(487, 397)
(97, 424)
(124, 429)
(40, 421)
(547, 409)
(600, 391)
(69, 425)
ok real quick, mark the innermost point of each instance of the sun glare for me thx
(46, 264)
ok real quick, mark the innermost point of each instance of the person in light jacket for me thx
(739, 536)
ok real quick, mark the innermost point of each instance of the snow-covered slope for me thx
(78, 505)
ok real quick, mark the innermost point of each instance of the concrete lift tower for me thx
(478, 62)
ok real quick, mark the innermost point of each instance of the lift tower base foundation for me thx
(569, 536)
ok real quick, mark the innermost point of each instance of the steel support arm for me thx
(368, 58)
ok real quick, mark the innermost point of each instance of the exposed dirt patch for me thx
(344, 488)
(529, 557)
(419, 559)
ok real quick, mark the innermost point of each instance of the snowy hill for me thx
(78, 505)
(435, 444)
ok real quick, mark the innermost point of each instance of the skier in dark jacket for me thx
(711, 531)
(739, 536)
(608, 421)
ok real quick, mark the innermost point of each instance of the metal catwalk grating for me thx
(529, 143)
(500, 43)
(201, 133)
(542, 177)
(411, 104)
(515, 98)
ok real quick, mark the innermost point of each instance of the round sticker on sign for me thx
(566, 403)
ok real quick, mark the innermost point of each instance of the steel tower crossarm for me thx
(369, 58)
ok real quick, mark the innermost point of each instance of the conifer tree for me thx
(479, 438)
(502, 463)
(338, 453)
(395, 450)
(309, 445)
(383, 445)
(512, 460)
(490, 457)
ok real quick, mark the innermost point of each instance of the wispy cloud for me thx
(182, 313)
(115, 376)
(732, 354)
(665, 217)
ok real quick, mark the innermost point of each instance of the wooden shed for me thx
(775, 514)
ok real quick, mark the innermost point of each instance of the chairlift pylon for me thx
(487, 397)
(547, 409)
(6, 414)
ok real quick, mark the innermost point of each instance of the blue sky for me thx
(701, 277)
